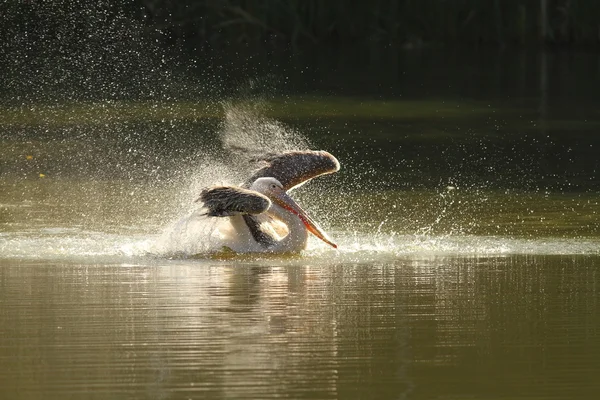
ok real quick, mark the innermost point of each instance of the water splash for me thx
(245, 134)
(89, 51)
(354, 247)
(96, 97)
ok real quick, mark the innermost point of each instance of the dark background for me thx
(535, 65)
(407, 23)
(62, 49)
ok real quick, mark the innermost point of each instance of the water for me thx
(414, 327)
(466, 214)
(441, 292)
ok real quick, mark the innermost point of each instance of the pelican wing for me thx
(224, 201)
(294, 168)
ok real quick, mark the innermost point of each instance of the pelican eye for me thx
(273, 186)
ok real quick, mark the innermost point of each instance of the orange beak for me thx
(289, 204)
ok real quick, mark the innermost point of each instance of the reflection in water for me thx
(518, 326)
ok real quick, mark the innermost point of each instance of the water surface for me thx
(422, 327)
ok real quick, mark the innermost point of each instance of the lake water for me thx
(466, 214)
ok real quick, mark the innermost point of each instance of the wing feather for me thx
(224, 201)
(293, 168)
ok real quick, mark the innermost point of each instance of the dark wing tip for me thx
(223, 201)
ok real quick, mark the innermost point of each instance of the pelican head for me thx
(275, 191)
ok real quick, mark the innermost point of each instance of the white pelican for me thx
(262, 216)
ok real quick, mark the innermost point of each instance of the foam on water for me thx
(354, 247)
(60, 243)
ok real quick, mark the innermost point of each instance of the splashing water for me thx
(368, 227)
(244, 134)
(354, 247)
(108, 139)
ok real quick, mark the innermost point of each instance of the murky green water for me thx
(413, 327)
(466, 212)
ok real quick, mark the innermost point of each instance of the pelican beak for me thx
(289, 204)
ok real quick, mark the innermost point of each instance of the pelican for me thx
(262, 217)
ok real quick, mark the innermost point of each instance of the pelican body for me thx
(262, 216)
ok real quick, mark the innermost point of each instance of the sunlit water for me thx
(423, 327)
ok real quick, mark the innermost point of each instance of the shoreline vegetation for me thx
(404, 23)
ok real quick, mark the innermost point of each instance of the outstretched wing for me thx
(294, 168)
(225, 201)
